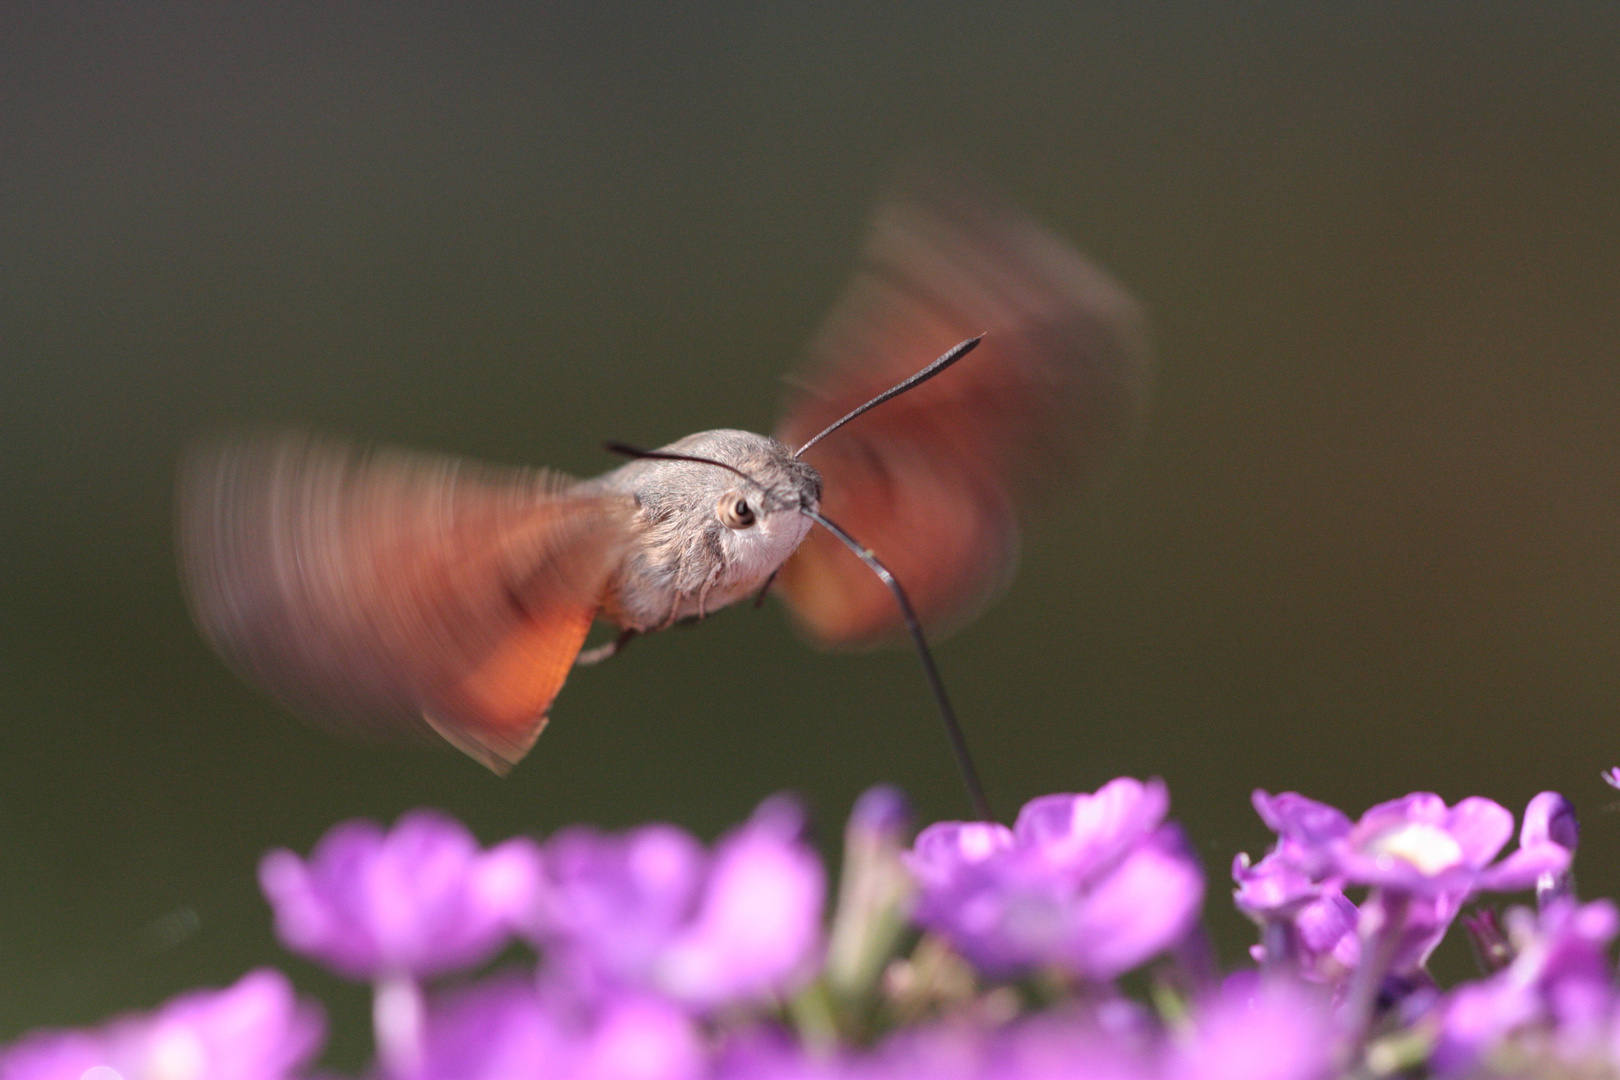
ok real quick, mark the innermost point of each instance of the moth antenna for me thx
(936, 685)
(964, 760)
(951, 357)
(626, 450)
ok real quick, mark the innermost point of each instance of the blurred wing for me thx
(934, 481)
(385, 590)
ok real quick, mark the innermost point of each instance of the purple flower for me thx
(1065, 1044)
(1298, 866)
(1317, 940)
(1079, 832)
(609, 904)
(1116, 1041)
(1307, 925)
(1277, 885)
(420, 899)
(1611, 776)
(1413, 845)
(1306, 829)
(1094, 884)
(492, 1029)
(1550, 819)
(758, 923)
(771, 1053)
(1559, 977)
(1417, 925)
(1422, 858)
(1258, 1029)
(504, 1029)
(1418, 845)
(254, 1030)
(650, 910)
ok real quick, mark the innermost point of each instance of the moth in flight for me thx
(381, 589)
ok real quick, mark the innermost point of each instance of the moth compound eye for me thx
(734, 511)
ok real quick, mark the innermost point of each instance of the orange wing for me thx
(934, 481)
(386, 590)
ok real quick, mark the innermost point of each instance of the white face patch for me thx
(752, 554)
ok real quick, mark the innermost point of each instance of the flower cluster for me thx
(1091, 884)
(973, 952)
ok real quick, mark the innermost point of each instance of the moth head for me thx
(745, 493)
(740, 467)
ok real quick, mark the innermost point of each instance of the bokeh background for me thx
(1366, 544)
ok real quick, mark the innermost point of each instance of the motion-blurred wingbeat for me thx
(387, 590)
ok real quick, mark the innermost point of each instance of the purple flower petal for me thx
(1059, 1046)
(642, 1039)
(770, 1053)
(1276, 885)
(616, 901)
(1307, 832)
(1259, 1030)
(1298, 818)
(944, 850)
(1087, 832)
(1147, 904)
(759, 923)
(651, 911)
(1550, 818)
(1521, 869)
(55, 1055)
(253, 1030)
(881, 810)
(1327, 948)
(502, 1029)
(1417, 845)
(492, 1030)
(1559, 977)
(1474, 1017)
(1092, 883)
(1480, 827)
(420, 899)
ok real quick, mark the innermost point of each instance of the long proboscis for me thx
(936, 685)
(964, 760)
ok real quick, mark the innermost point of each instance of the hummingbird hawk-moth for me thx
(384, 589)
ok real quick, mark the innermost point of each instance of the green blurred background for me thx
(1367, 543)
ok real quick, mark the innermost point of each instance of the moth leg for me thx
(703, 593)
(759, 597)
(602, 652)
(674, 612)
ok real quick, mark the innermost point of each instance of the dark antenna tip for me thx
(951, 356)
